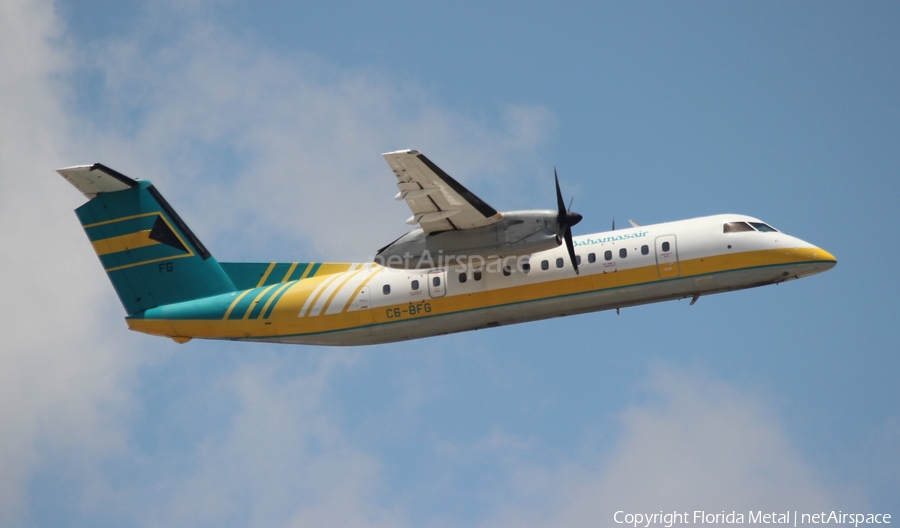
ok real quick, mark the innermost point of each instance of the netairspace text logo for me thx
(787, 518)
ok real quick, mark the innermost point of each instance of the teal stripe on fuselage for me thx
(277, 298)
(278, 273)
(214, 308)
(257, 308)
(210, 308)
(314, 269)
(298, 271)
(246, 275)
(245, 304)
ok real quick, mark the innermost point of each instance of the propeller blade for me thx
(560, 204)
(571, 247)
(614, 223)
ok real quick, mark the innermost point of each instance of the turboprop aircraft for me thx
(465, 267)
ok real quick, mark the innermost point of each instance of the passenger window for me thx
(578, 260)
(526, 267)
(414, 285)
(734, 227)
(463, 278)
(386, 289)
(436, 281)
(506, 271)
(623, 253)
(559, 263)
(645, 250)
(545, 265)
(592, 258)
(665, 246)
(607, 255)
(476, 275)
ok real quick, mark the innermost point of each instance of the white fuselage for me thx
(617, 269)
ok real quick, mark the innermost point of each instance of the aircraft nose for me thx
(826, 257)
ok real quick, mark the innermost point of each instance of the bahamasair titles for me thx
(465, 266)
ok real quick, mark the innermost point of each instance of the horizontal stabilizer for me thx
(94, 179)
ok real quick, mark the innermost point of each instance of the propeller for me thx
(565, 219)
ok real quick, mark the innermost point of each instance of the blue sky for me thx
(264, 124)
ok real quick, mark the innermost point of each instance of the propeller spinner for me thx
(565, 219)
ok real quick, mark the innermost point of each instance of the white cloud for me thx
(285, 151)
(266, 155)
(61, 378)
(283, 461)
(257, 151)
(694, 444)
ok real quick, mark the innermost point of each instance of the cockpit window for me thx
(734, 227)
(763, 227)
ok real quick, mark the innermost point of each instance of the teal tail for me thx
(151, 256)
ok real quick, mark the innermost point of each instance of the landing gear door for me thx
(437, 283)
(667, 257)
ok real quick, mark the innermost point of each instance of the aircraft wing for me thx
(438, 202)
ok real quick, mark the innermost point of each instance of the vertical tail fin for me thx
(151, 256)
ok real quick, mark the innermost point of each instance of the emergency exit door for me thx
(436, 287)
(667, 257)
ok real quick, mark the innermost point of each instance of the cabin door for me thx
(667, 257)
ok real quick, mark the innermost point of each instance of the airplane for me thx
(465, 267)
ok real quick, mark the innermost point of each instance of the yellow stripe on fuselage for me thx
(234, 303)
(324, 286)
(272, 298)
(359, 289)
(328, 268)
(336, 290)
(289, 272)
(266, 274)
(256, 300)
(287, 323)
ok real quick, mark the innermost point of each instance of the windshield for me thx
(736, 227)
(763, 227)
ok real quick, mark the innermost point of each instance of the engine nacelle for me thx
(518, 233)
